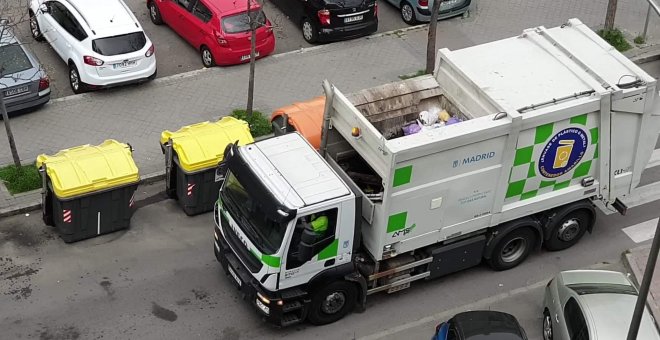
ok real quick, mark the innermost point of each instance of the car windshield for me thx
(265, 233)
(241, 22)
(119, 44)
(13, 59)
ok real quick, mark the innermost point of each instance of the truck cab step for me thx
(291, 306)
(292, 294)
(289, 319)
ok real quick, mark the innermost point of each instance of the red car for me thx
(218, 29)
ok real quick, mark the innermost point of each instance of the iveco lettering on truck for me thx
(508, 146)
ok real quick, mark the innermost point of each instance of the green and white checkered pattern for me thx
(525, 180)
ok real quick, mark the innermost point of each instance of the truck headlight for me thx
(263, 307)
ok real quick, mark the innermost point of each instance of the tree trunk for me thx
(430, 46)
(611, 12)
(253, 43)
(10, 135)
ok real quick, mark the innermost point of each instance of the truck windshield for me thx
(265, 233)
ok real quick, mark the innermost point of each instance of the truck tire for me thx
(512, 249)
(567, 230)
(332, 303)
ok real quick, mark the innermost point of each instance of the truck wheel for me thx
(332, 303)
(512, 249)
(567, 230)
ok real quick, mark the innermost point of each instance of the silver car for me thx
(590, 305)
(416, 11)
(23, 82)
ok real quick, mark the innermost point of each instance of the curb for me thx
(36, 204)
(627, 259)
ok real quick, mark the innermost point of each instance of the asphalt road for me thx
(173, 54)
(159, 279)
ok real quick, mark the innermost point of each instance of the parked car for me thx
(415, 11)
(218, 29)
(23, 82)
(480, 325)
(101, 41)
(592, 305)
(330, 20)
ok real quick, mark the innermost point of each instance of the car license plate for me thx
(354, 18)
(124, 64)
(15, 91)
(247, 57)
(233, 274)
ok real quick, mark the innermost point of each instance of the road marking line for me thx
(641, 232)
(655, 159)
(642, 195)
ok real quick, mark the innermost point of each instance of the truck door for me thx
(296, 272)
(633, 136)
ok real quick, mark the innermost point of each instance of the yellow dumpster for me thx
(191, 156)
(88, 190)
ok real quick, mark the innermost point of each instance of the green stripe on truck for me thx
(402, 176)
(397, 222)
(329, 251)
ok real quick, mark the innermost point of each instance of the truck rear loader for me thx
(547, 125)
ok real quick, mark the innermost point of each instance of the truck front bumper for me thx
(269, 304)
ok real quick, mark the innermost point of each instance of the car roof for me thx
(230, 6)
(609, 316)
(106, 17)
(497, 325)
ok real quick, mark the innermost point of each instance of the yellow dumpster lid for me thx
(201, 146)
(89, 168)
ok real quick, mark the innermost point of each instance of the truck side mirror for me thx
(43, 8)
(311, 243)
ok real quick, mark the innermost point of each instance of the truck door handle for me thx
(329, 263)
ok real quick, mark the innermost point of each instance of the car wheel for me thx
(154, 14)
(567, 230)
(74, 80)
(310, 33)
(207, 57)
(332, 303)
(512, 249)
(408, 13)
(547, 325)
(35, 29)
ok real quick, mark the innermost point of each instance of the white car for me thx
(101, 41)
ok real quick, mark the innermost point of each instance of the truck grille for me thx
(253, 264)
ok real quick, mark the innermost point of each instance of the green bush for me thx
(412, 75)
(615, 38)
(259, 124)
(639, 40)
(17, 180)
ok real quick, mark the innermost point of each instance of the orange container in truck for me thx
(305, 117)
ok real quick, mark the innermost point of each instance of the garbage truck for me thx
(543, 129)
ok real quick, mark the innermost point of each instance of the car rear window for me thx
(13, 59)
(120, 44)
(240, 22)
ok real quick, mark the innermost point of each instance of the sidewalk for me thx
(635, 260)
(138, 114)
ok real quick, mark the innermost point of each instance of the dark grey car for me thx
(23, 82)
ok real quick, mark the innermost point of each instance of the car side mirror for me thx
(311, 243)
(43, 8)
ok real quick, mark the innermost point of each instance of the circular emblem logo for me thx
(563, 152)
